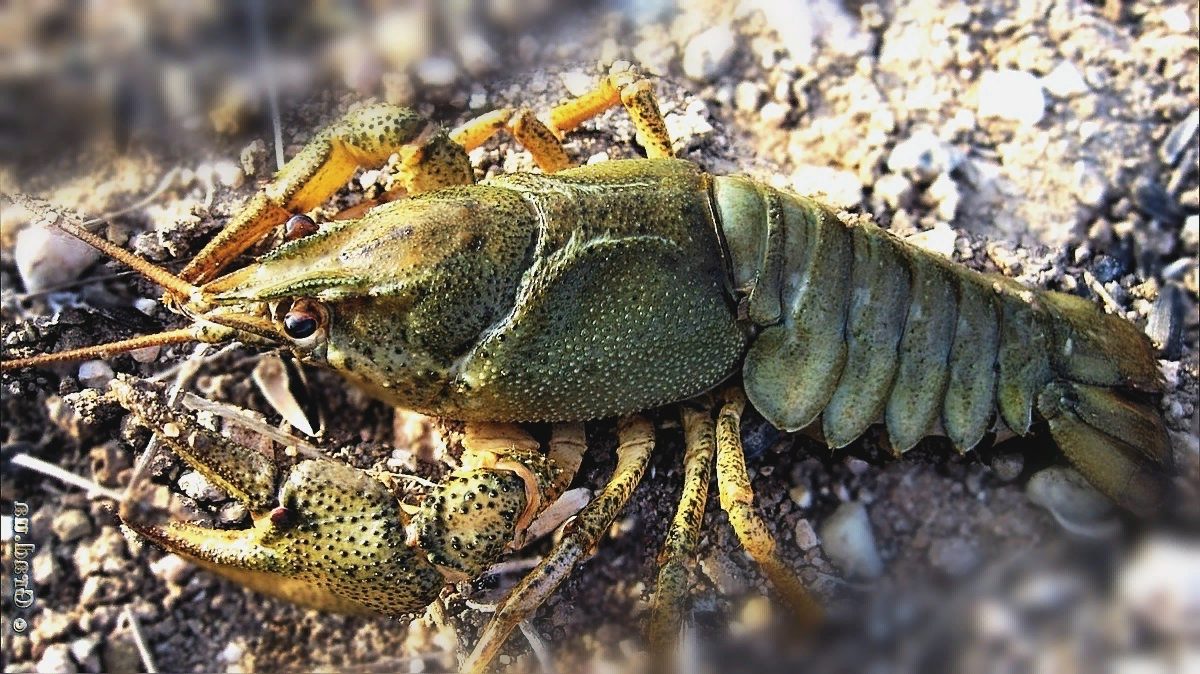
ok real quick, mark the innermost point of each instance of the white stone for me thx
(229, 173)
(848, 540)
(478, 57)
(1011, 94)
(577, 83)
(47, 256)
(708, 55)
(806, 537)
(746, 96)
(1065, 81)
(95, 374)
(1161, 584)
(436, 71)
(923, 156)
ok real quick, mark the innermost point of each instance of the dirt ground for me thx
(891, 109)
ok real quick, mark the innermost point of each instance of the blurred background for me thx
(1054, 141)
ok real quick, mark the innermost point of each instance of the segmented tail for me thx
(858, 327)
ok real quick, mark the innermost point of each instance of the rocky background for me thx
(1052, 141)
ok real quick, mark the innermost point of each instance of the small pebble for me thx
(45, 567)
(51, 625)
(146, 305)
(849, 542)
(401, 35)
(756, 614)
(477, 56)
(1180, 138)
(836, 188)
(1048, 592)
(71, 525)
(229, 174)
(1164, 326)
(1011, 94)
(894, 190)
(923, 156)
(1065, 493)
(232, 512)
(1152, 199)
(725, 575)
(806, 537)
(1089, 184)
(56, 659)
(121, 653)
(1161, 585)
(47, 257)
(773, 114)
(747, 96)
(1065, 81)
(83, 650)
(95, 374)
(398, 89)
(1189, 236)
(944, 192)
(996, 622)
(801, 495)
(253, 156)
(577, 82)
(172, 569)
(709, 54)
(1008, 467)
(938, 240)
(148, 354)
(954, 557)
(436, 71)
(1108, 268)
(199, 488)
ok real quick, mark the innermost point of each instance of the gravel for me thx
(832, 87)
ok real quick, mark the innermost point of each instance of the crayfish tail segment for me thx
(679, 550)
(636, 436)
(737, 499)
(1120, 445)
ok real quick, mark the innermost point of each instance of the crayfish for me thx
(605, 290)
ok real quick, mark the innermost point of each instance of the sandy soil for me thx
(1091, 198)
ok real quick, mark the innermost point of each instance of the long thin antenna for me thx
(158, 275)
(102, 351)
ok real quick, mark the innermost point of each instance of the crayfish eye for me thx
(299, 226)
(299, 325)
(305, 322)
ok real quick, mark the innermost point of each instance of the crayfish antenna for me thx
(102, 351)
(158, 275)
(168, 281)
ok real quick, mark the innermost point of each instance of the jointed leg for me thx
(636, 94)
(364, 137)
(568, 442)
(737, 499)
(579, 537)
(679, 551)
(546, 148)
